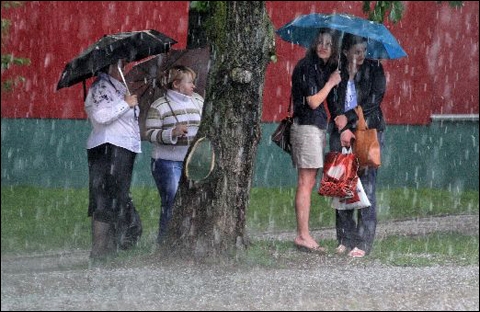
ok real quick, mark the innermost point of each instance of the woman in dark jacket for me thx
(363, 83)
(312, 79)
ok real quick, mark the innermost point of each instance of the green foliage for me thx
(9, 59)
(11, 4)
(5, 22)
(453, 4)
(393, 9)
(200, 6)
(214, 20)
(216, 24)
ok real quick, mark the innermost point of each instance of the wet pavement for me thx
(63, 281)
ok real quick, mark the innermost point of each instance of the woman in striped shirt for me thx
(171, 125)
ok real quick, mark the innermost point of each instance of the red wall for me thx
(51, 33)
(440, 74)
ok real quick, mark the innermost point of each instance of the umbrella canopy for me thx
(144, 79)
(132, 46)
(381, 43)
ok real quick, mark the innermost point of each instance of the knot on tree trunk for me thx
(241, 75)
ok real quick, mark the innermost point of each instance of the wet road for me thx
(312, 282)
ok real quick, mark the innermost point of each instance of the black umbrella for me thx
(132, 46)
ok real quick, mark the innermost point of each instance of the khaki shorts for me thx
(308, 143)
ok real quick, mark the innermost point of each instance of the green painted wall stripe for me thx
(51, 153)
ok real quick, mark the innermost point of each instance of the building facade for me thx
(431, 105)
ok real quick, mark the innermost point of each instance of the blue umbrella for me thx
(381, 43)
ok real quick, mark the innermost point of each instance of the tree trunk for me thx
(209, 215)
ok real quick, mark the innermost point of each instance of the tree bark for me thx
(210, 215)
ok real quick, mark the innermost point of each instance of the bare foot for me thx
(306, 242)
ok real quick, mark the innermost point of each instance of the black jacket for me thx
(309, 77)
(370, 84)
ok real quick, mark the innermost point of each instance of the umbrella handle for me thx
(126, 86)
(123, 78)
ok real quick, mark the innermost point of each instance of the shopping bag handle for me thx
(361, 124)
(347, 150)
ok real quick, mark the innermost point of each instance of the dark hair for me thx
(349, 41)
(333, 59)
(106, 68)
(102, 70)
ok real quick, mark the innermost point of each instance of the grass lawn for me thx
(43, 219)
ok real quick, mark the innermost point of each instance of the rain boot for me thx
(102, 245)
(112, 244)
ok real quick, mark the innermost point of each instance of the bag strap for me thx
(168, 102)
(347, 150)
(361, 124)
(84, 90)
(290, 107)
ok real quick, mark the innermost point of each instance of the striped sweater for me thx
(161, 121)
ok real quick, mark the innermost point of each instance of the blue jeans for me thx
(359, 233)
(166, 174)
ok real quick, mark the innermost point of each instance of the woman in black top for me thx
(312, 79)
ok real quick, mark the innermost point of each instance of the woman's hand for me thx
(346, 138)
(179, 131)
(131, 100)
(340, 122)
(334, 78)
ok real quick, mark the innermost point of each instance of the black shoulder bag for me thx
(281, 136)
